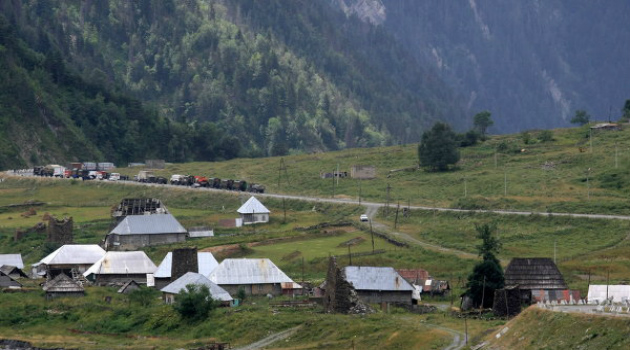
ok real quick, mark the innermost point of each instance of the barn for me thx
(136, 231)
(217, 293)
(118, 268)
(253, 212)
(379, 284)
(538, 279)
(253, 276)
(71, 259)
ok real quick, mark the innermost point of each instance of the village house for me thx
(170, 292)
(136, 231)
(118, 268)
(63, 286)
(253, 276)
(12, 265)
(253, 212)
(538, 279)
(422, 278)
(12, 260)
(70, 259)
(206, 263)
(379, 284)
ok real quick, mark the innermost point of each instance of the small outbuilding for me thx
(379, 284)
(63, 286)
(253, 212)
(537, 279)
(136, 231)
(129, 287)
(170, 292)
(253, 276)
(7, 281)
(118, 268)
(70, 259)
(12, 271)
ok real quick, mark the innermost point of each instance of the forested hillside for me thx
(531, 63)
(218, 79)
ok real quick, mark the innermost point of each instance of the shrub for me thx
(194, 303)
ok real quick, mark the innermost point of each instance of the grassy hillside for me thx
(92, 323)
(586, 249)
(540, 329)
(560, 175)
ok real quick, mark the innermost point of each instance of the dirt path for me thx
(371, 212)
(270, 339)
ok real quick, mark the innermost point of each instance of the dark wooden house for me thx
(537, 279)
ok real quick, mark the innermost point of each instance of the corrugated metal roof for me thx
(148, 225)
(116, 263)
(216, 292)
(253, 206)
(74, 254)
(376, 278)
(248, 271)
(205, 261)
(534, 273)
(12, 260)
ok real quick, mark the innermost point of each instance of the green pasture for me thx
(500, 173)
(92, 322)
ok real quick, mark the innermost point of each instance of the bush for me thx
(545, 136)
(194, 303)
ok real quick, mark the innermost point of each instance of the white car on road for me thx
(364, 217)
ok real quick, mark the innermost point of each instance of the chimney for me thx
(184, 260)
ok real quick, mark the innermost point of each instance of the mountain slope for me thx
(279, 76)
(531, 63)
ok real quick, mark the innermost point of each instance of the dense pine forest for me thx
(203, 80)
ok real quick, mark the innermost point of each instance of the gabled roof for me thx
(376, 278)
(248, 271)
(116, 263)
(534, 273)
(12, 260)
(216, 292)
(62, 283)
(7, 281)
(253, 206)
(74, 254)
(12, 270)
(205, 261)
(414, 275)
(153, 224)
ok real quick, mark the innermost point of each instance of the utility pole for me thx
(465, 188)
(396, 220)
(333, 184)
(350, 255)
(505, 181)
(372, 234)
(387, 198)
(616, 156)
